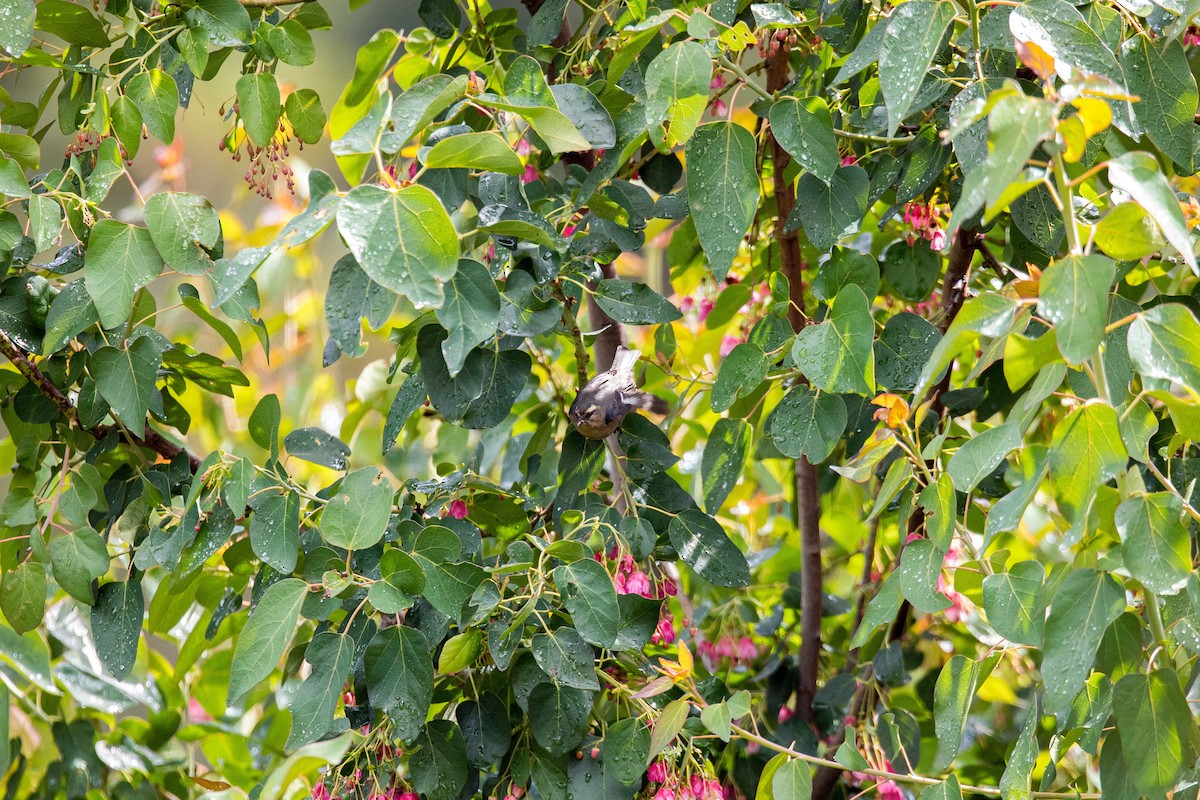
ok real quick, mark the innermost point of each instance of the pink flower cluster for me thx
(742, 649)
(924, 221)
(630, 579)
(1191, 37)
(457, 509)
(695, 787)
(665, 632)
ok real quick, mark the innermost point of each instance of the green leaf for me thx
(78, 558)
(882, 609)
(292, 43)
(332, 658)
(1162, 80)
(439, 766)
(226, 21)
(357, 514)
(988, 314)
(266, 634)
(460, 652)
(275, 529)
(117, 625)
(23, 599)
(677, 86)
(546, 23)
(408, 399)
(127, 378)
(400, 678)
(71, 313)
(1155, 541)
(588, 593)
(1086, 450)
(1156, 729)
(1085, 605)
(948, 789)
(180, 225)
(792, 781)
(940, 502)
(318, 447)
(305, 761)
(1014, 783)
(1164, 343)
(807, 424)
(156, 96)
(485, 152)
(119, 260)
(667, 726)
(1014, 603)
(558, 716)
(704, 546)
(351, 296)
(306, 115)
(741, 373)
(403, 239)
(16, 30)
(1127, 232)
(722, 189)
(634, 303)
(920, 566)
(625, 749)
(566, 658)
(843, 267)
(952, 695)
(263, 425)
(586, 113)
(766, 783)
(804, 128)
(470, 312)
(981, 454)
(1073, 297)
(1137, 174)
(259, 106)
(836, 355)
(829, 212)
(912, 38)
(911, 270)
(716, 718)
(725, 453)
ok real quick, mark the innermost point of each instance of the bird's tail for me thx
(649, 402)
(625, 360)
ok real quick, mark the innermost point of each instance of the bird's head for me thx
(591, 420)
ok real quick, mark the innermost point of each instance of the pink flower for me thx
(197, 712)
(664, 794)
(719, 109)
(728, 343)
(746, 649)
(523, 148)
(786, 713)
(458, 509)
(706, 306)
(914, 536)
(619, 583)
(937, 240)
(409, 796)
(725, 647)
(627, 564)
(669, 587)
(687, 304)
(657, 773)
(697, 785)
(888, 790)
(567, 231)
(637, 583)
(666, 631)
(412, 169)
(718, 82)
(320, 792)
(849, 161)
(531, 174)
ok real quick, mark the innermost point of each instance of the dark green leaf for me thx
(804, 128)
(722, 189)
(439, 767)
(266, 634)
(156, 96)
(1014, 603)
(127, 378)
(912, 38)
(120, 259)
(1156, 728)
(836, 355)
(332, 657)
(741, 373)
(317, 446)
(469, 313)
(400, 678)
(704, 546)
(725, 453)
(634, 303)
(117, 625)
(1085, 605)
(23, 599)
(566, 658)
(829, 212)
(807, 424)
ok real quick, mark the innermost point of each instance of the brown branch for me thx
(150, 438)
(807, 502)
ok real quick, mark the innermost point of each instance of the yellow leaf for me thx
(1037, 59)
(1094, 113)
(892, 409)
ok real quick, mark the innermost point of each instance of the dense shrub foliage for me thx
(916, 279)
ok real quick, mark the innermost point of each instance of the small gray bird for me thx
(603, 403)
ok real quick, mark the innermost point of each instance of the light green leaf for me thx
(16, 31)
(1014, 603)
(1073, 297)
(837, 355)
(180, 224)
(912, 38)
(1155, 541)
(920, 566)
(722, 189)
(952, 695)
(1156, 729)
(23, 596)
(486, 152)
(358, 513)
(71, 313)
(265, 636)
(403, 239)
(1085, 605)
(792, 781)
(1164, 343)
(716, 718)
(677, 86)
(259, 106)
(981, 454)
(1018, 772)
(120, 259)
(634, 303)
(1137, 174)
(566, 658)
(305, 761)
(725, 453)
(77, 558)
(156, 96)
(741, 373)
(1159, 75)
(1086, 450)
(127, 378)
(1127, 232)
